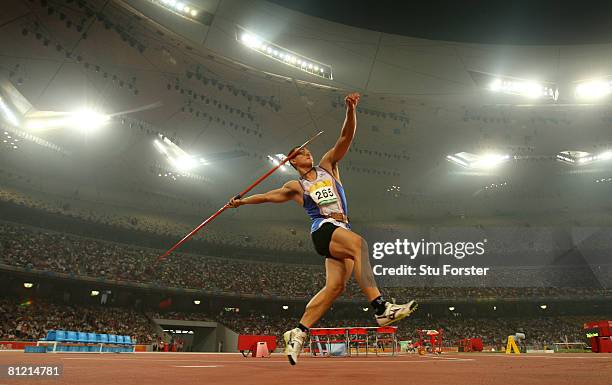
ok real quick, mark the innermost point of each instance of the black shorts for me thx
(322, 238)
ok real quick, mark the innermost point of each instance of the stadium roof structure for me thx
(161, 74)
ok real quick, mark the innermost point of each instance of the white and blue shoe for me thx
(294, 341)
(394, 312)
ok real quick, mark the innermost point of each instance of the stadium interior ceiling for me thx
(230, 108)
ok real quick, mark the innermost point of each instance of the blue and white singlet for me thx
(322, 197)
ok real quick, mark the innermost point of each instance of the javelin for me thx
(258, 181)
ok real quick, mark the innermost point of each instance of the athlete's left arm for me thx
(336, 153)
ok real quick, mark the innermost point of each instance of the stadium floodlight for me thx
(285, 307)
(283, 55)
(94, 293)
(179, 7)
(8, 114)
(531, 89)
(277, 159)
(88, 119)
(28, 285)
(365, 308)
(543, 307)
(184, 163)
(196, 302)
(494, 308)
(582, 158)
(451, 308)
(593, 89)
(473, 161)
(180, 160)
(85, 120)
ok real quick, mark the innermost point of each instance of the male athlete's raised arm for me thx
(289, 191)
(333, 156)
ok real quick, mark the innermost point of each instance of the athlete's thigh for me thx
(345, 244)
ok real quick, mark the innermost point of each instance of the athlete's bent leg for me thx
(335, 282)
(348, 245)
(337, 272)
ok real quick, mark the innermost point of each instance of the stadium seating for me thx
(73, 341)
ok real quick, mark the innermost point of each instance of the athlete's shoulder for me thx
(332, 171)
(292, 185)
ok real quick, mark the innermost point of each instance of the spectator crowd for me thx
(44, 250)
(30, 320)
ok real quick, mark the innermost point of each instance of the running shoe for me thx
(294, 341)
(394, 312)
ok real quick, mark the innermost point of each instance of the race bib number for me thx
(323, 193)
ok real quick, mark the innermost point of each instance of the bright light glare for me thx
(605, 155)
(473, 161)
(183, 164)
(8, 114)
(194, 13)
(250, 40)
(88, 119)
(527, 88)
(84, 120)
(28, 285)
(281, 54)
(593, 89)
(495, 85)
(277, 159)
(94, 293)
(489, 161)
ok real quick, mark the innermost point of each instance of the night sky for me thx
(531, 22)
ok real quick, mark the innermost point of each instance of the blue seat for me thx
(127, 340)
(60, 335)
(92, 338)
(112, 339)
(120, 340)
(82, 337)
(72, 336)
(103, 338)
(50, 335)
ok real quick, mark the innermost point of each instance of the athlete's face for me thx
(303, 158)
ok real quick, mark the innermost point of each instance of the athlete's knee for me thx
(358, 247)
(336, 289)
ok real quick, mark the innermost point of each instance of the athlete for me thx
(321, 194)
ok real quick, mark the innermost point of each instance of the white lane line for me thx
(581, 358)
(450, 358)
(198, 366)
(307, 360)
(133, 359)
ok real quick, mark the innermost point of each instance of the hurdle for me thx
(334, 342)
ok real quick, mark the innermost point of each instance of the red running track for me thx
(222, 369)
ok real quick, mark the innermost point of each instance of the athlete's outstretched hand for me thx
(352, 100)
(235, 203)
